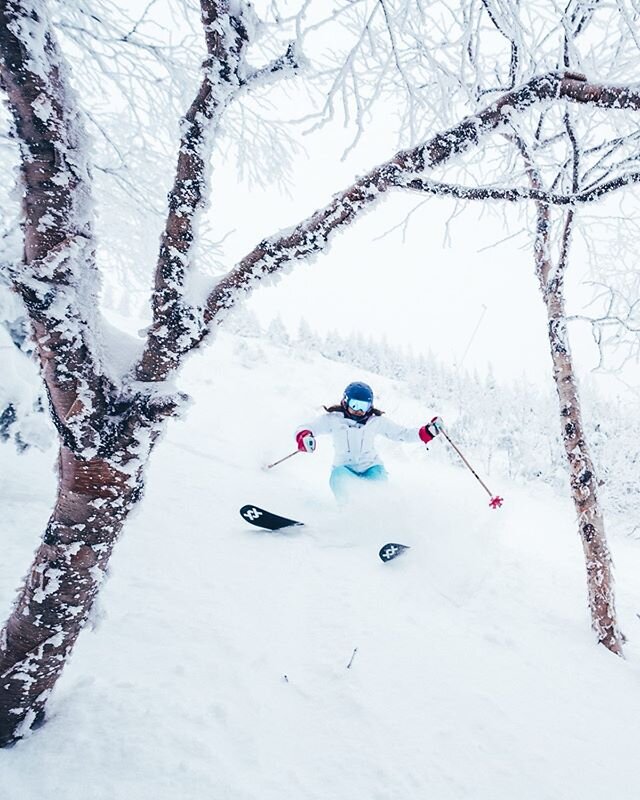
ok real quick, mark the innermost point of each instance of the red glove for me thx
(306, 441)
(431, 430)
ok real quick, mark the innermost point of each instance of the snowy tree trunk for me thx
(104, 431)
(93, 502)
(107, 429)
(582, 473)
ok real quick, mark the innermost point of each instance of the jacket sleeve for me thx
(398, 433)
(317, 425)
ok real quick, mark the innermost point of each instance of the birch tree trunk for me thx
(582, 472)
(107, 428)
(92, 504)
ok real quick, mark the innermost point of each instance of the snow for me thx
(231, 663)
(21, 394)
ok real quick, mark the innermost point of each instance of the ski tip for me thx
(266, 519)
(392, 550)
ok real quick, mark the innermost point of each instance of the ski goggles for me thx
(359, 405)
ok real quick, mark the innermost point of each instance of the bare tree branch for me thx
(519, 193)
(311, 236)
(175, 324)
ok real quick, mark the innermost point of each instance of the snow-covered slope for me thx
(219, 664)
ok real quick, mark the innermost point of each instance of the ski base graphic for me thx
(266, 519)
(392, 550)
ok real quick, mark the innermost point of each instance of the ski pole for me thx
(275, 463)
(495, 501)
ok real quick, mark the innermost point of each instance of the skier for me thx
(355, 423)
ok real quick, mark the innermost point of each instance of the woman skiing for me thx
(354, 424)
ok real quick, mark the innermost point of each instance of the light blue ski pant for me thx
(342, 477)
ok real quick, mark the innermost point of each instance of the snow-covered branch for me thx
(228, 29)
(406, 170)
(616, 329)
(57, 280)
(517, 194)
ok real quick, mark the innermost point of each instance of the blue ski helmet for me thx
(358, 391)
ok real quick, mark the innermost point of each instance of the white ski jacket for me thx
(354, 442)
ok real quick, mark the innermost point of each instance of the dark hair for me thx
(339, 407)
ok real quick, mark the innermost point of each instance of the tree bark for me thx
(93, 502)
(101, 431)
(582, 473)
(107, 431)
(174, 324)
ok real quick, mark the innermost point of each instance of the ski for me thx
(392, 550)
(274, 522)
(266, 519)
